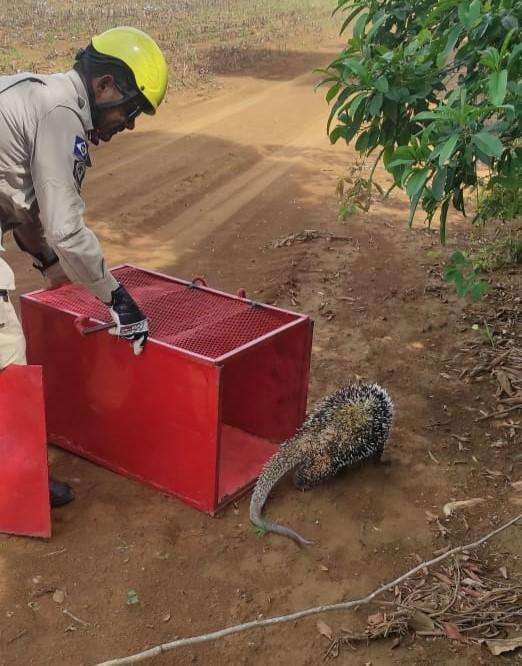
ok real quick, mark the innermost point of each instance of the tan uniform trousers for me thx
(12, 341)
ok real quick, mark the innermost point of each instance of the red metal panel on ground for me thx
(194, 414)
(24, 483)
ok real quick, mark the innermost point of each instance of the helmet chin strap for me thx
(97, 108)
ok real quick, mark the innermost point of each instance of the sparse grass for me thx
(504, 249)
(44, 35)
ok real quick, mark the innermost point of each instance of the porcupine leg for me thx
(377, 459)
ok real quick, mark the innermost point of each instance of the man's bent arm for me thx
(59, 162)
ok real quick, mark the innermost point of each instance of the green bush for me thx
(432, 88)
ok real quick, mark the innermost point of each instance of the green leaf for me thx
(453, 36)
(424, 36)
(373, 138)
(469, 13)
(497, 87)
(488, 143)
(458, 258)
(337, 133)
(360, 25)
(427, 115)
(381, 84)
(474, 12)
(438, 183)
(462, 11)
(447, 149)
(414, 202)
(416, 182)
(356, 67)
(132, 598)
(387, 155)
(401, 161)
(478, 290)
(506, 41)
(332, 92)
(352, 129)
(336, 108)
(350, 17)
(376, 104)
(490, 58)
(375, 26)
(515, 54)
(362, 142)
(355, 103)
(403, 155)
(398, 94)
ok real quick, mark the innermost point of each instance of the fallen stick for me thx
(497, 415)
(203, 638)
(76, 619)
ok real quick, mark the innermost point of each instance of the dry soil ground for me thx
(205, 188)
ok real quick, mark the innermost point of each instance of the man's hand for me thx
(131, 323)
(54, 276)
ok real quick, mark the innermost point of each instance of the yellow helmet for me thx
(142, 56)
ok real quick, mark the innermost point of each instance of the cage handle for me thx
(198, 280)
(84, 325)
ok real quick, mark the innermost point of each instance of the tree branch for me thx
(166, 647)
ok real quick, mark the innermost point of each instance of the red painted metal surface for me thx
(24, 484)
(221, 383)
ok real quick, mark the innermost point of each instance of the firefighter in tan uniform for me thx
(46, 124)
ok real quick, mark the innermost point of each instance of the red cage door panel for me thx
(24, 483)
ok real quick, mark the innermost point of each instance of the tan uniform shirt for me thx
(44, 120)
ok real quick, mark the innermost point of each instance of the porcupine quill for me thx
(346, 428)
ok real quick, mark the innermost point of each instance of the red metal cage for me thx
(223, 380)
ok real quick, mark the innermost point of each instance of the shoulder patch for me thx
(81, 150)
(79, 169)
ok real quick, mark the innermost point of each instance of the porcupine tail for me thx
(277, 466)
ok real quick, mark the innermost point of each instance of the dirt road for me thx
(156, 194)
(204, 189)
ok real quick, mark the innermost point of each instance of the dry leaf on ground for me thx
(499, 645)
(419, 621)
(324, 629)
(452, 631)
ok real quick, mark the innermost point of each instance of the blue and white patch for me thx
(81, 150)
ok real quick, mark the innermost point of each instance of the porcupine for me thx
(346, 428)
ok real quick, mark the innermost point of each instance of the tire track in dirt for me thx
(189, 184)
(174, 239)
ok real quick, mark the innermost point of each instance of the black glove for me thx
(131, 323)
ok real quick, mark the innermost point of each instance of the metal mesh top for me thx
(193, 319)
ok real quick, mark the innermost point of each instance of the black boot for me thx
(60, 493)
